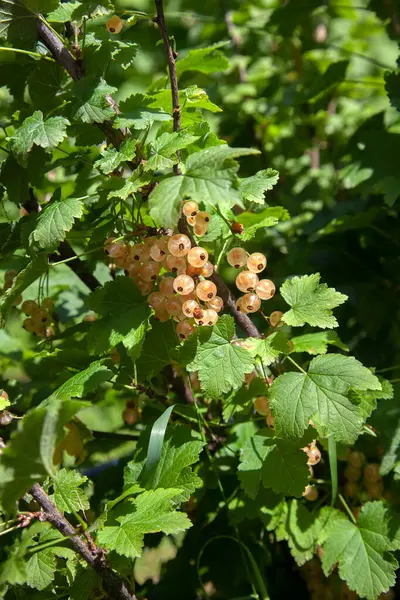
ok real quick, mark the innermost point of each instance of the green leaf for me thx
(362, 551)
(112, 159)
(44, 85)
(136, 112)
(68, 484)
(275, 463)
(28, 275)
(63, 13)
(252, 189)
(91, 105)
(41, 568)
(82, 383)
(253, 222)
(150, 512)
(204, 60)
(47, 133)
(366, 401)
(268, 349)
(392, 83)
(54, 221)
(4, 403)
(322, 395)
(165, 147)
(125, 317)
(131, 185)
(159, 349)
(317, 343)
(311, 302)
(210, 177)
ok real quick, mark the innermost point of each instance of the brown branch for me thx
(171, 56)
(92, 554)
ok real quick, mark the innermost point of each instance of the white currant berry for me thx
(191, 221)
(158, 251)
(371, 473)
(355, 459)
(216, 304)
(188, 307)
(207, 270)
(251, 302)
(133, 269)
(162, 315)
(177, 264)
(275, 318)
(115, 249)
(140, 253)
(210, 317)
(184, 329)
(29, 307)
(156, 300)
(149, 241)
(197, 257)
(179, 245)
(202, 217)
(198, 315)
(200, 229)
(261, 405)
(183, 285)
(313, 453)
(173, 306)
(144, 286)
(150, 271)
(193, 271)
(206, 290)
(29, 325)
(265, 289)
(256, 262)
(114, 24)
(190, 209)
(239, 306)
(237, 257)
(184, 297)
(108, 244)
(167, 286)
(310, 493)
(270, 420)
(246, 281)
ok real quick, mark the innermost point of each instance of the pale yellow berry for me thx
(179, 245)
(190, 209)
(261, 405)
(256, 262)
(197, 257)
(210, 317)
(114, 24)
(310, 493)
(177, 264)
(183, 285)
(206, 290)
(173, 307)
(184, 329)
(265, 289)
(207, 270)
(150, 271)
(167, 286)
(216, 304)
(237, 257)
(251, 302)
(156, 300)
(246, 281)
(275, 318)
(188, 307)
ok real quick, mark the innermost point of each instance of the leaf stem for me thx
(295, 364)
(27, 52)
(347, 508)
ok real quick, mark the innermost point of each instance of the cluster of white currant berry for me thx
(39, 317)
(248, 282)
(187, 295)
(358, 477)
(198, 219)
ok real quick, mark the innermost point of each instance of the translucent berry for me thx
(239, 306)
(184, 329)
(313, 453)
(29, 307)
(251, 303)
(216, 304)
(150, 271)
(261, 405)
(149, 241)
(202, 217)
(200, 229)
(144, 286)
(167, 286)
(207, 270)
(193, 271)
(140, 253)
(47, 303)
(371, 473)
(159, 250)
(275, 318)
(190, 209)
(210, 317)
(133, 269)
(108, 244)
(173, 307)
(265, 289)
(41, 316)
(237, 257)
(177, 264)
(185, 297)
(246, 281)
(197, 257)
(183, 285)
(30, 325)
(356, 459)
(179, 245)
(256, 262)
(114, 25)
(191, 221)
(156, 300)
(188, 307)
(310, 493)
(162, 315)
(206, 290)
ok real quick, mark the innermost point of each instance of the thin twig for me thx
(171, 57)
(93, 555)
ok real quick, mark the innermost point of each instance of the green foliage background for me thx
(313, 88)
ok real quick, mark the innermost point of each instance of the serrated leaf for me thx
(83, 382)
(4, 403)
(111, 158)
(54, 221)
(45, 83)
(221, 364)
(41, 567)
(165, 147)
(150, 512)
(63, 12)
(136, 112)
(392, 81)
(210, 177)
(366, 401)
(310, 301)
(253, 222)
(28, 275)
(204, 60)
(268, 349)
(125, 317)
(252, 189)
(275, 463)
(68, 484)
(47, 133)
(17, 23)
(321, 395)
(91, 105)
(158, 349)
(362, 551)
(131, 185)
(317, 343)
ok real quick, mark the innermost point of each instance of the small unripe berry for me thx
(275, 318)
(261, 405)
(207, 270)
(177, 264)
(150, 271)
(265, 289)
(173, 306)
(371, 473)
(246, 281)
(156, 300)
(29, 307)
(197, 257)
(179, 245)
(167, 286)
(206, 290)
(237, 257)
(310, 493)
(256, 262)
(188, 307)
(114, 24)
(190, 209)
(29, 325)
(184, 329)
(251, 303)
(216, 304)
(183, 285)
